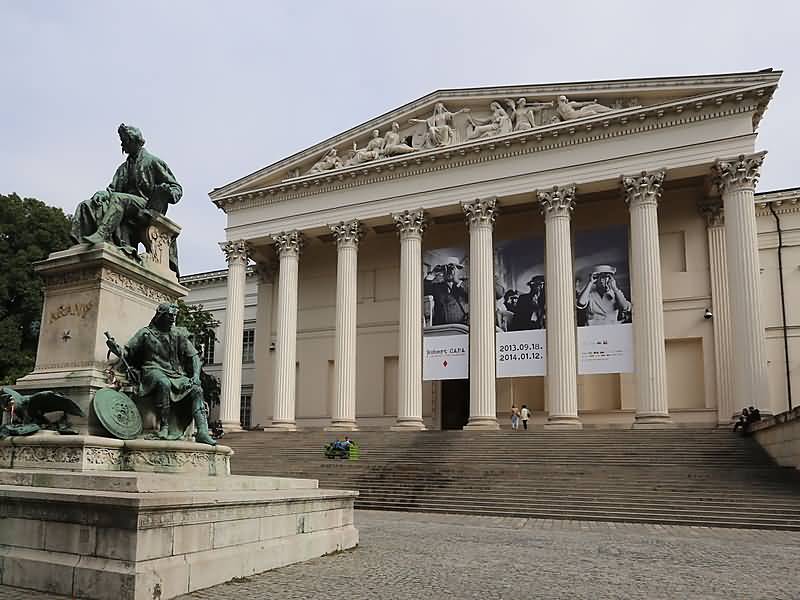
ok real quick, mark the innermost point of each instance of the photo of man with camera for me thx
(601, 301)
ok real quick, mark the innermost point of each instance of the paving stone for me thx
(427, 557)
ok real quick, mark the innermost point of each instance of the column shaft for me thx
(721, 323)
(650, 361)
(561, 381)
(737, 179)
(231, 385)
(343, 417)
(285, 380)
(410, 225)
(482, 366)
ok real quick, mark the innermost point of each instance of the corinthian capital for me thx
(410, 222)
(347, 233)
(644, 188)
(557, 201)
(481, 211)
(288, 242)
(236, 250)
(739, 172)
(713, 212)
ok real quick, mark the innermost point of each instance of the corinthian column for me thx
(410, 225)
(561, 381)
(482, 402)
(231, 385)
(343, 416)
(721, 309)
(287, 245)
(642, 193)
(736, 180)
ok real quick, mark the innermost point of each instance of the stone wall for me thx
(780, 437)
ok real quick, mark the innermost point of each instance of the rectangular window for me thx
(208, 350)
(244, 410)
(248, 345)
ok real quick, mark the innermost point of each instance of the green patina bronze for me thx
(117, 413)
(141, 186)
(28, 412)
(164, 368)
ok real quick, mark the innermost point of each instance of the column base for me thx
(231, 426)
(341, 426)
(653, 422)
(408, 425)
(281, 427)
(563, 423)
(484, 423)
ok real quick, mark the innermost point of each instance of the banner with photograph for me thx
(520, 314)
(445, 312)
(520, 311)
(602, 282)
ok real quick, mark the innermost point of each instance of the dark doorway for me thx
(455, 403)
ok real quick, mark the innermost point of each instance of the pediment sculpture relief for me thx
(440, 130)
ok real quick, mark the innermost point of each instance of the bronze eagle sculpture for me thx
(29, 411)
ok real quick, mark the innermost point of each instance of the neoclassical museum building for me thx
(595, 251)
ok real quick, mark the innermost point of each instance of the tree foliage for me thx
(202, 326)
(29, 231)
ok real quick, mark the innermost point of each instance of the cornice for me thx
(209, 277)
(543, 138)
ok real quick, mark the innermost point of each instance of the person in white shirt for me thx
(524, 414)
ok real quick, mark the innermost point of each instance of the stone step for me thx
(584, 515)
(700, 477)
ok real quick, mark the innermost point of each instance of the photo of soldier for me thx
(446, 293)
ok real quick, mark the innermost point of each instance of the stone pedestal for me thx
(89, 290)
(131, 531)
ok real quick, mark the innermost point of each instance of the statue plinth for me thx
(89, 290)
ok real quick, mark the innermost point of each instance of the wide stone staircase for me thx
(705, 477)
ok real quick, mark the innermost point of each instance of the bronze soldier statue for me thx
(167, 368)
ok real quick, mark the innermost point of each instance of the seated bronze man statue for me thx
(167, 368)
(141, 185)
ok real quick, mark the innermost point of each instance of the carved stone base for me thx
(131, 536)
(89, 290)
(93, 453)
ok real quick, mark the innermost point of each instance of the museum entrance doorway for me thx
(455, 403)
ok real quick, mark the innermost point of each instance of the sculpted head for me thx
(396, 127)
(521, 103)
(376, 133)
(131, 138)
(562, 99)
(165, 316)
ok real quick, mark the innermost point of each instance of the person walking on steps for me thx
(525, 414)
(514, 417)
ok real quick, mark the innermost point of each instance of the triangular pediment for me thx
(448, 120)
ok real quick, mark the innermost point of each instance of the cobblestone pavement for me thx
(453, 557)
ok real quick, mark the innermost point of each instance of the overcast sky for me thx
(221, 89)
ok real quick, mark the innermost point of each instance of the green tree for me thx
(29, 231)
(202, 326)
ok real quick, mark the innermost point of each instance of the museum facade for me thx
(595, 251)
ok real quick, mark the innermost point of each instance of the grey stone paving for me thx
(452, 557)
